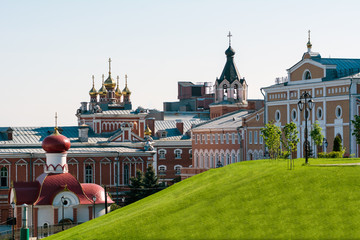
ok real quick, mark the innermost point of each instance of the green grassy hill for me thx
(248, 200)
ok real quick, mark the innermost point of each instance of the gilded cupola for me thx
(126, 90)
(102, 90)
(117, 90)
(110, 82)
(93, 92)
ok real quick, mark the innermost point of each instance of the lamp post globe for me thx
(94, 200)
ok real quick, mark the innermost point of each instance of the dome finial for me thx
(109, 66)
(56, 132)
(309, 45)
(229, 36)
(93, 78)
(125, 79)
(117, 78)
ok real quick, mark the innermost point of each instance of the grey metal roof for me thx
(35, 135)
(228, 121)
(115, 112)
(72, 150)
(172, 132)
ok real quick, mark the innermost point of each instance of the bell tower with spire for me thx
(230, 88)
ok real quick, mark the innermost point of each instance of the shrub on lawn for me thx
(333, 154)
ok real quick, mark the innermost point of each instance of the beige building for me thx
(333, 83)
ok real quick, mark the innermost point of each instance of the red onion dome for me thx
(56, 143)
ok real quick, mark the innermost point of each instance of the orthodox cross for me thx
(109, 65)
(93, 78)
(117, 80)
(56, 117)
(126, 79)
(229, 36)
(309, 35)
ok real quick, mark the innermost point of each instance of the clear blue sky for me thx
(50, 49)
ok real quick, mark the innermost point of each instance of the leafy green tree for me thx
(272, 138)
(291, 138)
(356, 131)
(316, 134)
(337, 147)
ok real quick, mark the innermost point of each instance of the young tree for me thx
(150, 182)
(291, 137)
(316, 134)
(136, 187)
(356, 131)
(272, 138)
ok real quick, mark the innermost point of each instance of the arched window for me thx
(162, 153)
(177, 153)
(88, 174)
(233, 158)
(206, 164)
(235, 91)
(225, 92)
(307, 75)
(177, 169)
(45, 230)
(126, 175)
(211, 161)
(222, 159)
(227, 159)
(4, 177)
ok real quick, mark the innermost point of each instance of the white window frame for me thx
(250, 137)
(162, 153)
(177, 153)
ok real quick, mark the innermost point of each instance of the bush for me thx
(333, 154)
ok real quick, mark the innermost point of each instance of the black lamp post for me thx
(306, 103)
(12, 220)
(63, 203)
(94, 200)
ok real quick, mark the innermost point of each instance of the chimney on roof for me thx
(180, 126)
(83, 133)
(9, 132)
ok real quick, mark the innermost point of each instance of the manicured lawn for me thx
(249, 200)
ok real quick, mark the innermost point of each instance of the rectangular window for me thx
(255, 137)
(221, 138)
(195, 136)
(211, 139)
(216, 139)
(260, 139)
(250, 137)
(233, 138)
(227, 138)
(205, 136)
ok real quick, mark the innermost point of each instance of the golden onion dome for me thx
(102, 90)
(109, 82)
(126, 90)
(147, 131)
(117, 90)
(93, 92)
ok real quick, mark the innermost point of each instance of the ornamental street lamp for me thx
(94, 200)
(306, 103)
(64, 202)
(12, 220)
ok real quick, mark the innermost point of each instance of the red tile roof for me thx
(26, 192)
(55, 183)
